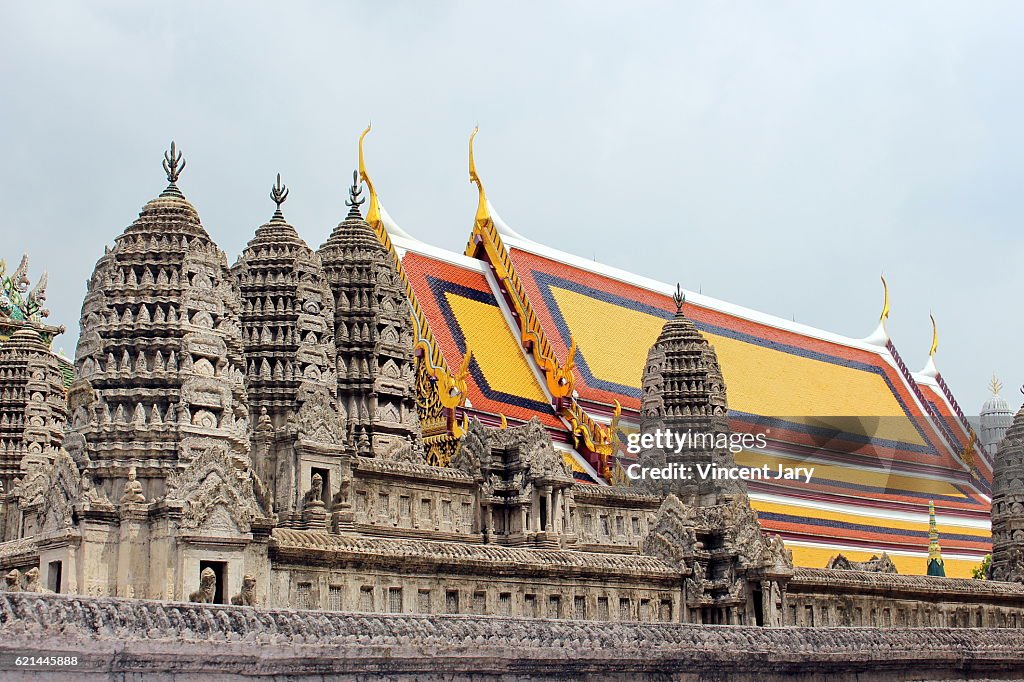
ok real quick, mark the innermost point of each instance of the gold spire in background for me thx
(935, 337)
(483, 213)
(373, 211)
(995, 385)
(885, 306)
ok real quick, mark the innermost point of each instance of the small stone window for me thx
(467, 514)
(446, 511)
(636, 525)
(366, 598)
(505, 604)
(334, 600)
(395, 599)
(588, 522)
(423, 600)
(530, 605)
(361, 501)
(605, 528)
(384, 504)
(451, 601)
(625, 609)
(555, 606)
(479, 602)
(426, 509)
(665, 611)
(304, 595)
(602, 608)
(404, 506)
(620, 526)
(645, 610)
(579, 607)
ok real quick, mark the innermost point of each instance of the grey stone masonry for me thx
(125, 639)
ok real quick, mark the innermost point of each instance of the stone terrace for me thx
(116, 639)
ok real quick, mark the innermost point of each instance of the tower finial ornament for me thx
(279, 192)
(995, 385)
(679, 298)
(174, 164)
(354, 200)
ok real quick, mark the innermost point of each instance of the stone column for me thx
(550, 507)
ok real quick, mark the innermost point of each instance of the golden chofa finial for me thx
(373, 212)
(483, 214)
(935, 337)
(885, 305)
(995, 385)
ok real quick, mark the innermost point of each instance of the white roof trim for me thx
(698, 299)
(390, 225)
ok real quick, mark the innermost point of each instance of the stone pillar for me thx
(550, 508)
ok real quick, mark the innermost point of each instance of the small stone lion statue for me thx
(247, 597)
(12, 581)
(32, 583)
(207, 587)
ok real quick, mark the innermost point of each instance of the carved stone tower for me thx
(373, 333)
(288, 331)
(32, 407)
(683, 393)
(159, 365)
(1008, 505)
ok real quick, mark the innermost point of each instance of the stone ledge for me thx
(114, 635)
(287, 541)
(867, 581)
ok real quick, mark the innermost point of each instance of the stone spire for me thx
(683, 392)
(1008, 505)
(290, 358)
(32, 407)
(995, 417)
(373, 333)
(159, 360)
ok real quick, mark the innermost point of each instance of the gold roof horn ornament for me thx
(483, 213)
(373, 211)
(885, 305)
(935, 337)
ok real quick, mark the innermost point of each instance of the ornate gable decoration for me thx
(65, 487)
(474, 450)
(217, 493)
(674, 536)
(318, 419)
(537, 453)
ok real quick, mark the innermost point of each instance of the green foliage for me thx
(980, 572)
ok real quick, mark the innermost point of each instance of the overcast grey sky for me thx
(775, 155)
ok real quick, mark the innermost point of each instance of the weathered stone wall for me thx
(115, 639)
(831, 598)
(409, 499)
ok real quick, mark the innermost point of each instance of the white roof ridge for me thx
(698, 299)
(406, 243)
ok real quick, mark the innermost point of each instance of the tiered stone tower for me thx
(159, 364)
(1008, 505)
(373, 332)
(288, 329)
(32, 407)
(683, 392)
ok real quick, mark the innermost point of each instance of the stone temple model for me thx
(379, 426)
